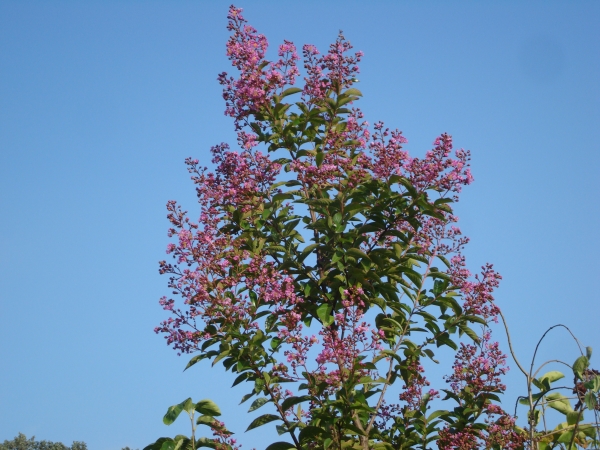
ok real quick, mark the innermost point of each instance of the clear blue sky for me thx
(100, 102)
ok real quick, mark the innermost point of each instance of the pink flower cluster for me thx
(211, 266)
(343, 342)
(438, 170)
(478, 298)
(477, 371)
(222, 437)
(413, 390)
(479, 368)
(333, 71)
(259, 79)
(466, 439)
(499, 433)
(345, 157)
(240, 181)
(386, 147)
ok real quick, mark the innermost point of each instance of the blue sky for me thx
(100, 102)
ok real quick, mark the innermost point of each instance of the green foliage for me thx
(208, 410)
(573, 432)
(22, 443)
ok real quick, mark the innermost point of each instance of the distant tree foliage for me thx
(22, 443)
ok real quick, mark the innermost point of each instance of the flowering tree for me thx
(331, 333)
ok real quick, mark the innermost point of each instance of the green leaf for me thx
(309, 432)
(291, 401)
(194, 360)
(168, 445)
(343, 100)
(301, 153)
(588, 352)
(357, 253)
(158, 444)
(573, 417)
(369, 380)
(247, 396)
(388, 354)
(444, 339)
(559, 402)
(208, 407)
(444, 260)
(590, 400)
(275, 249)
(275, 343)
(206, 420)
(319, 158)
(292, 183)
(431, 355)
(280, 446)
(580, 365)
(308, 249)
(220, 357)
(594, 384)
(290, 91)
(262, 420)
(436, 414)
(383, 446)
(182, 442)
(588, 430)
(324, 313)
(267, 377)
(552, 376)
(470, 332)
(258, 403)
(174, 411)
(539, 385)
(353, 91)
(240, 378)
(206, 442)
(534, 397)
(565, 437)
(369, 228)
(282, 196)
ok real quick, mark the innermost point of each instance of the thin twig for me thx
(512, 352)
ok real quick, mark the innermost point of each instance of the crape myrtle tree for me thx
(326, 267)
